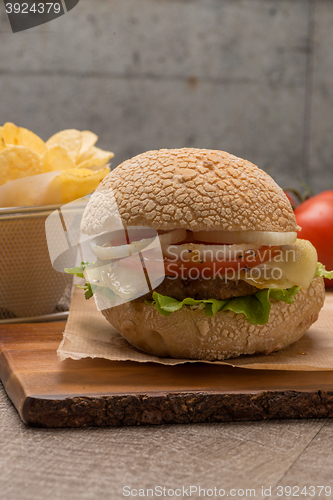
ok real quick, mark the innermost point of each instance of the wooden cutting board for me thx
(105, 393)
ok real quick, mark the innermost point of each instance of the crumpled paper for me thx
(88, 334)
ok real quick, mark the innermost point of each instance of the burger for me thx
(237, 280)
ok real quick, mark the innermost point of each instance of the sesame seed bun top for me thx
(196, 189)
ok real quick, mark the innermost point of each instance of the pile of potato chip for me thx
(78, 165)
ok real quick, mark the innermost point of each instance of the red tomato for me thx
(192, 269)
(315, 216)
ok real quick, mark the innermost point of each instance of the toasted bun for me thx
(195, 189)
(190, 334)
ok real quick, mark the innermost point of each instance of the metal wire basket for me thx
(29, 286)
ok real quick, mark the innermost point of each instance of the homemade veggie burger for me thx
(237, 279)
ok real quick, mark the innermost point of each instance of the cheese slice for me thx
(295, 265)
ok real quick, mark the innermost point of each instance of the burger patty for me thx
(213, 288)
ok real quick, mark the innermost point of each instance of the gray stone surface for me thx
(132, 116)
(211, 39)
(321, 99)
(86, 464)
(252, 77)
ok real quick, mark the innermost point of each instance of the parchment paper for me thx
(35, 190)
(88, 334)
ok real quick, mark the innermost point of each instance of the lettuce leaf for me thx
(78, 270)
(321, 271)
(256, 308)
(88, 288)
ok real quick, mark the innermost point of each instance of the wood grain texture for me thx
(314, 465)
(103, 393)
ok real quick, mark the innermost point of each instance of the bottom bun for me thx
(190, 334)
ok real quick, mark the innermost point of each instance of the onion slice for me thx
(256, 237)
(172, 237)
(108, 251)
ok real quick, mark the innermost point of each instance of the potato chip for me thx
(17, 162)
(31, 141)
(89, 140)
(71, 140)
(56, 158)
(2, 142)
(95, 157)
(10, 133)
(20, 136)
(76, 183)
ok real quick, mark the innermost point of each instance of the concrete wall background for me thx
(252, 77)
